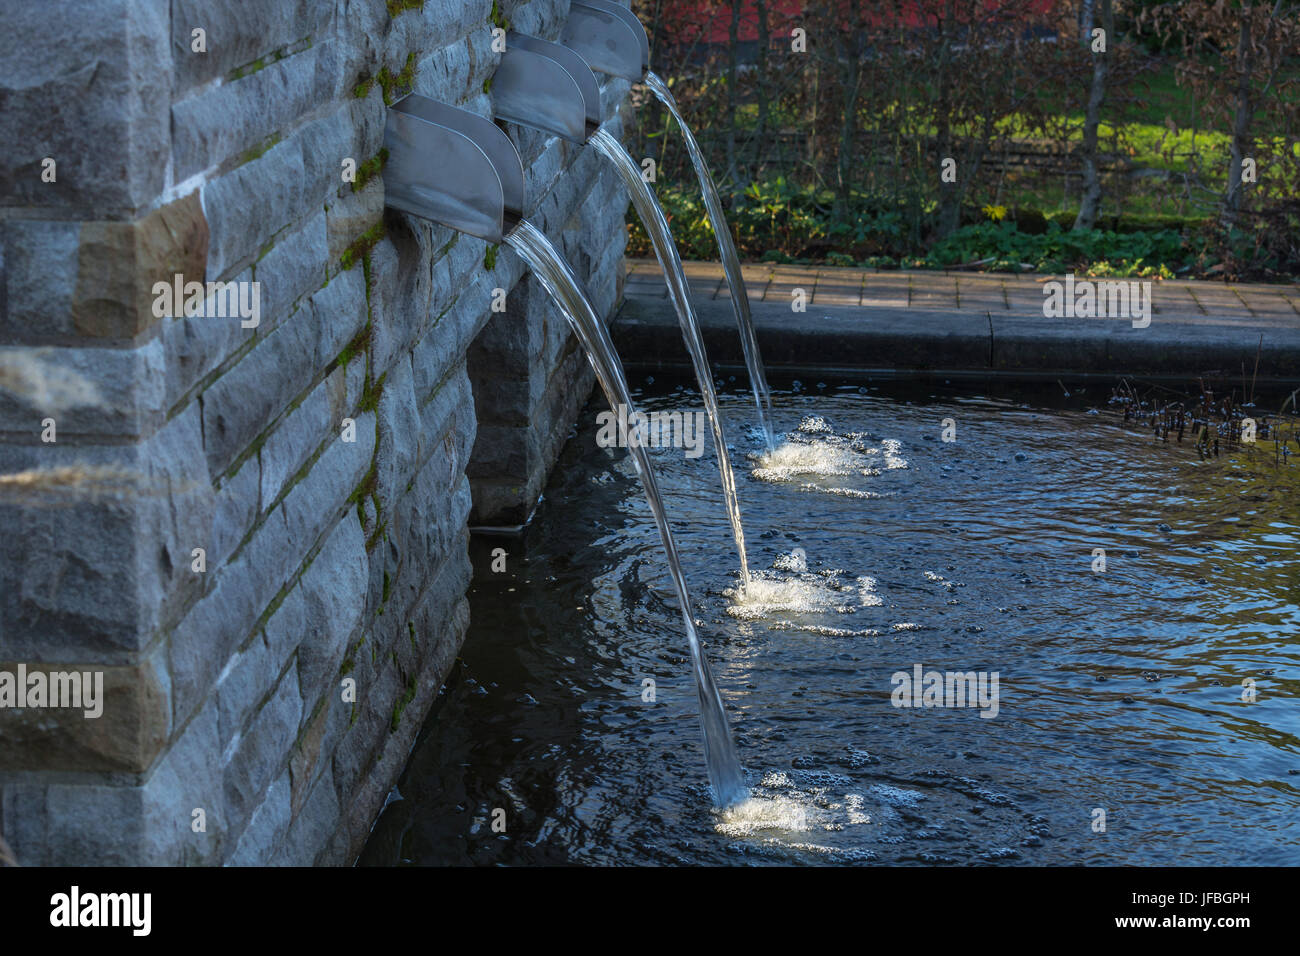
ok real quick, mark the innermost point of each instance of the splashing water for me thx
(792, 598)
(814, 450)
(730, 260)
(559, 281)
(656, 226)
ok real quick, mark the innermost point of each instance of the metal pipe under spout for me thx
(609, 37)
(548, 87)
(452, 167)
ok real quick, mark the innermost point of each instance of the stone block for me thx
(38, 280)
(241, 38)
(85, 85)
(323, 612)
(269, 822)
(121, 721)
(261, 752)
(247, 207)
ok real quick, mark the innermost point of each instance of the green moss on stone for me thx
(455, 238)
(369, 169)
(359, 344)
(239, 72)
(366, 487)
(248, 155)
(396, 84)
(361, 246)
(399, 706)
(369, 401)
(380, 532)
(497, 18)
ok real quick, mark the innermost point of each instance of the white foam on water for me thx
(845, 492)
(867, 595)
(896, 796)
(791, 460)
(764, 813)
(814, 425)
(823, 630)
(940, 579)
(791, 591)
(796, 560)
(853, 805)
(768, 594)
(893, 458)
(814, 450)
(778, 807)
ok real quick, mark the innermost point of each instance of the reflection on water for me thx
(1120, 690)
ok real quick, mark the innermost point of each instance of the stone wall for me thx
(232, 523)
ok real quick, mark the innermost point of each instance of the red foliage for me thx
(709, 21)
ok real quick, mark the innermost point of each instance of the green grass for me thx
(782, 223)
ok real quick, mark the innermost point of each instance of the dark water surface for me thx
(1119, 691)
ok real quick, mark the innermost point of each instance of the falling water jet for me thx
(730, 261)
(562, 285)
(477, 158)
(656, 226)
(549, 87)
(612, 40)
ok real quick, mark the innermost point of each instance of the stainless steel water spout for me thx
(546, 86)
(452, 167)
(609, 37)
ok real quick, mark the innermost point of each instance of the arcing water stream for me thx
(559, 281)
(730, 260)
(656, 226)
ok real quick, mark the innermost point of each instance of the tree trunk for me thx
(733, 35)
(764, 40)
(1241, 121)
(949, 193)
(848, 132)
(1090, 202)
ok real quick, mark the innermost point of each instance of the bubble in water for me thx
(796, 560)
(823, 631)
(867, 595)
(893, 460)
(896, 796)
(814, 425)
(844, 492)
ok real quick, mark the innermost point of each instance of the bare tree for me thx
(1091, 200)
(1258, 40)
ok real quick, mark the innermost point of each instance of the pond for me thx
(1139, 705)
